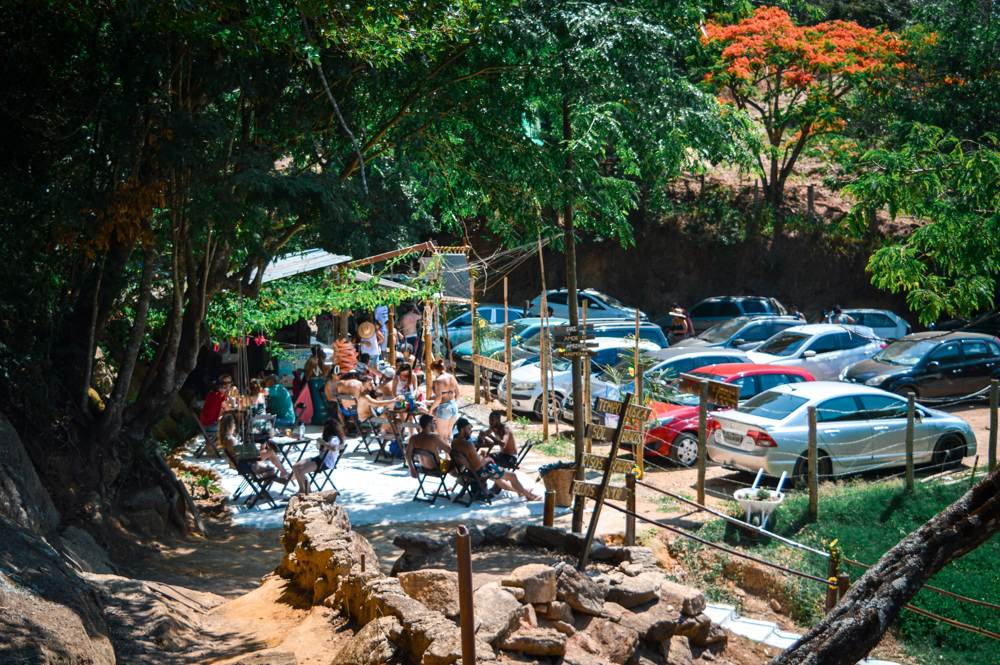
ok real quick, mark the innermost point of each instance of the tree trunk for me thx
(857, 624)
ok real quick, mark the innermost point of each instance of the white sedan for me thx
(822, 349)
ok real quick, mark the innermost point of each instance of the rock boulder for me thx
(435, 588)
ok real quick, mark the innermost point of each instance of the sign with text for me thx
(489, 363)
(719, 393)
(590, 490)
(602, 433)
(600, 462)
(639, 414)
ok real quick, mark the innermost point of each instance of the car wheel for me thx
(904, 391)
(800, 476)
(948, 452)
(555, 401)
(684, 450)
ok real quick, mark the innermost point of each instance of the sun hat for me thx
(366, 329)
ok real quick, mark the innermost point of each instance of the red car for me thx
(675, 434)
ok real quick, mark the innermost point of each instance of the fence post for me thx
(994, 392)
(702, 440)
(910, 401)
(549, 516)
(811, 470)
(843, 584)
(630, 506)
(463, 550)
(811, 200)
(832, 576)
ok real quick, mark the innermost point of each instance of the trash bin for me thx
(558, 476)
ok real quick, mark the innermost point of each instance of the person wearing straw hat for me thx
(681, 325)
(369, 342)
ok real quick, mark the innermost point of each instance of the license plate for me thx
(732, 438)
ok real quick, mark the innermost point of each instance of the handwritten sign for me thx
(602, 433)
(719, 392)
(489, 363)
(634, 414)
(600, 462)
(589, 490)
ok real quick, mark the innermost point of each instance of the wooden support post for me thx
(640, 448)
(994, 393)
(811, 471)
(428, 350)
(587, 416)
(475, 326)
(549, 515)
(811, 200)
(447, 339)
(702, 440)
(543, 365)
(832, 573)
(910, 401)
(630, 506)
(605, 481)
(391, 342)
(843, 584)
(507, 352)
(467, 622)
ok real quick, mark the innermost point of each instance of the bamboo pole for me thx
(640, 450)
(474, 321)
(543, 346)
(428, 351)
(507, 354)
(391, 325)
(586, 383)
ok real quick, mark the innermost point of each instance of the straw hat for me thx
(366, 329)
(678, 314)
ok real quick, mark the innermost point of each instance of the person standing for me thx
(445, 404)
(369, 341)
(279, 402)
(409, 325)
(381, 316)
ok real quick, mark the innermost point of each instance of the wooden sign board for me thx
(720, 393)
(573, 330)
(614, 407)
(489, 363)
(600, 462)
(602, 433)
(589, 490)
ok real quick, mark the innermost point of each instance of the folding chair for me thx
(421, 460)
(258, 484)
(516, 464)
(473, 488)
(323, 476)
(207, 439)
(348, 408)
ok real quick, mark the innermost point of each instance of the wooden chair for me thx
(258, 484)
(422, 459)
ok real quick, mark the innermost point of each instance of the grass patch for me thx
(560, 446)
(868, 519)
(665, 503)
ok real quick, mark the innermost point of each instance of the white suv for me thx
(599, 305)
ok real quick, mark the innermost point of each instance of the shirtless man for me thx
(425, 439)
(445, 404)
(486, 468)
(408, 326)
(498, 433)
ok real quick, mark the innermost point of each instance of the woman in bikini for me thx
(444, 408)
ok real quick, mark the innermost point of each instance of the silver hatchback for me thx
(858, 429)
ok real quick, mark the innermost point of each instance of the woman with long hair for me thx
(331, 446)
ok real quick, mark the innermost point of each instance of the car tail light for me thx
(711, 425)
(883, 344)
(762, 439)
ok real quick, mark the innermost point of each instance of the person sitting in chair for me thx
(331, 446)
(279, 402)
(499, 434)
(425, 439)
(267, 462)
(486, 468)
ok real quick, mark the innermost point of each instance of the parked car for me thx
(743, 332)
(713, 311)
(886, 324)
(492, 340)
(664, 368)
(526, 380)
(599, 305)
(988, 324)
(603, 329)
(931, 364)
(459, 329)
(858, 429)
(675, 434)
(822, 349)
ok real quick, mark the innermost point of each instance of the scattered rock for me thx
(85, 551)
(678, 651)
(654, 623)
(632, 591)
(578, 591)
(614, 611)
(535, 641)
(557, 611)
(700, 631)
(617, 642)
(564, 627)
(496, 533)
(547, 536)
(497, 612)
(528, 615)
(691, 601)
(537, 580)
(775, 606)
(642, 556)
(630, 569)
(435, 588)
(288, 658)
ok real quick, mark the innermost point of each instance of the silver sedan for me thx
(858, 429)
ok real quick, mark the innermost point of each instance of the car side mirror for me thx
(739, 342)
(933, 365)
(809, 354)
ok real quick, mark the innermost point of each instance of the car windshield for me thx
(518, 327)
(723, 331)
(784, 343)
(560, 364)
(611, 300)
(772, 404)
(905, 352)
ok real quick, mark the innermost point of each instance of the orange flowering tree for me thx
(794, 80)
